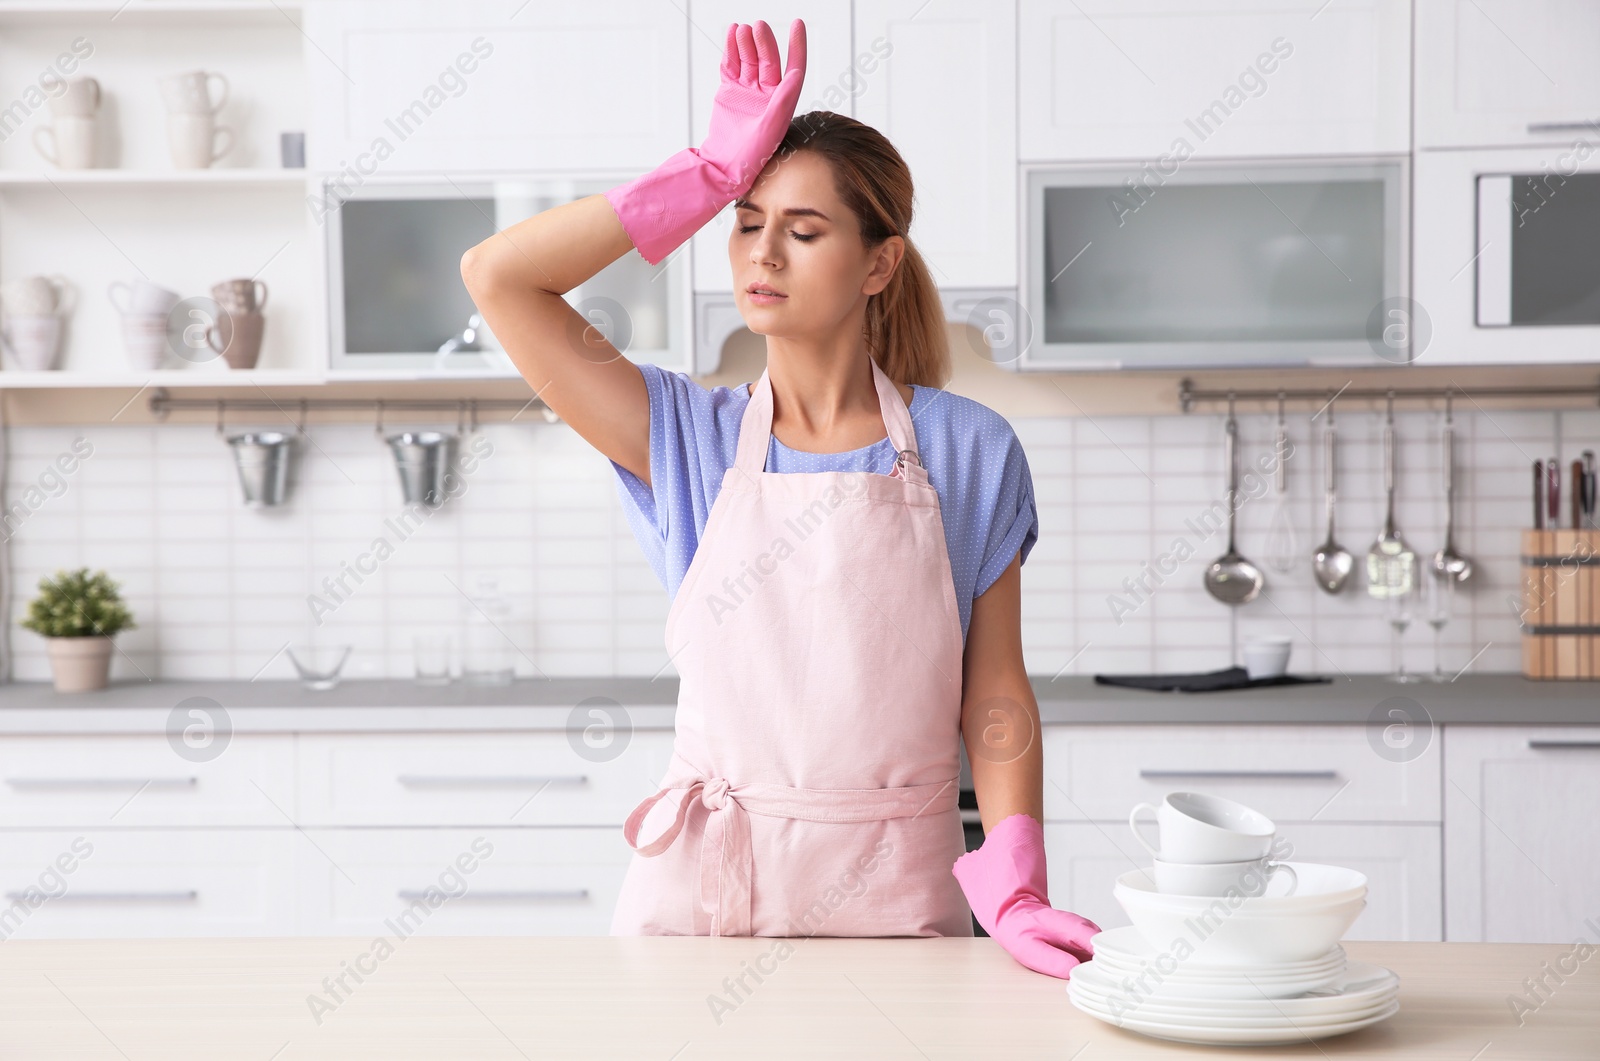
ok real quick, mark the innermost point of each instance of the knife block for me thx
(1561, 604)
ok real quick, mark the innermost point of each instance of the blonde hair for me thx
(905, 326)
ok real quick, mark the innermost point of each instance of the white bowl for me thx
(1225, 931)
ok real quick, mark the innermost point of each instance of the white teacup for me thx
(1266, 655)
(141, 297)
(190, 92)
(34, 296)
(144, 337)
(1196, 827)
(68, 142)
(33, 341)
(1216, 878)
(80, 98)
(196, 141)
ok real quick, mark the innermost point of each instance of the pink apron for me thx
(816, 761)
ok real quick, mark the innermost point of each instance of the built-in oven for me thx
(1183, 262)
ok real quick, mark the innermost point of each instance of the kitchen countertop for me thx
(649, 997)
(536, 704)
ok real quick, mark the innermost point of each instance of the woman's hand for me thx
(1004, 882)
(749, 116)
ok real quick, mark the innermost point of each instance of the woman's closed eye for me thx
(803, 237)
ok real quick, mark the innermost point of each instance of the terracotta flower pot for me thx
(79, 664)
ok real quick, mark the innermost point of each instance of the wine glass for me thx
(1398, 605)
(1439, 602)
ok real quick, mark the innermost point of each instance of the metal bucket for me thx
(423, 458)
(262, 458)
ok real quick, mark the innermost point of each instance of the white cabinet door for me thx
(482, 86)
(1451, 248)
(945, 95)
(1130, 79)
(1523, 854)
(833, 67)
(1494, 73)
(1401, 863)
(460, 882)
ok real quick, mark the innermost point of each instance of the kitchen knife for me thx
(1577, 495)
(1538, 495)
(1552, 492)
(1589, 486)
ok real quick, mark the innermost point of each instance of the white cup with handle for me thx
(32, 340)
(1250, 877)
(68, 142)
(190, 92)
(1196, 827)
(141, 298)
(34, 296)
(196, 141)
(79, 98)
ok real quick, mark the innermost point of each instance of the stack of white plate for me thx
(1131, 985)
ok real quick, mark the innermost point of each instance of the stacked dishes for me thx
(1227, 947)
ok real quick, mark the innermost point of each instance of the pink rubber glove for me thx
(1004, 881)
(749, 116)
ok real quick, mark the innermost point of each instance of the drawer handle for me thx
(1315, 775)
(1543, 744)
(1562, 127)
(117, 897)
(97, 782)
(488, 781)
(536, 894)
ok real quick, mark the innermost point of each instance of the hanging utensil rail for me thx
(1188, 394)
(465, 408)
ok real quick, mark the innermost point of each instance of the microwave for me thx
(1193, 263)
(395, 299)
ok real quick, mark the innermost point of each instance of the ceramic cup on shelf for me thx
(32, 340)
(241, 296)
(1196, 827)
(79, 98)
(237, 337)
(68, 142)
(33, 296)
(1266, 655)
(190, 92)
(144, 338)
(141, 297)
(196, 140)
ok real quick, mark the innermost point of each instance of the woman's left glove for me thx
(1004, 881)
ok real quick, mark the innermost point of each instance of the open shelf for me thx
(179, 377)
(134, 178)
(95, 14)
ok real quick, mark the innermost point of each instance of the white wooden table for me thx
(648, 997)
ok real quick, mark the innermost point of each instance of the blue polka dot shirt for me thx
(972, 455)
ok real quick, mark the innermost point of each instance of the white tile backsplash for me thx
(217, 589)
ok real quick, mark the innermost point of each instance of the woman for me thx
(834, 636)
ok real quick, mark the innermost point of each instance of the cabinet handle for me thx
(489, 781)
(1317, 775)
(536, 894)
(117, 897)
(1538, 745)
(97, 782)
(1562, 127)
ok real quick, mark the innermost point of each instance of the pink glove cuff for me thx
(666, 206)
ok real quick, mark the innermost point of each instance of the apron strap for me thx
(755, 427)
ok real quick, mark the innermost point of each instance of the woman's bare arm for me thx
(999, 715)
(517, 277)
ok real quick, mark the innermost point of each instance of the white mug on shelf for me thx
(34, 296)
(144, 337)
(1196, 827)
(190, 92)
(193, 140)
(71, 141)
(32, 340)
(1250, 877)
(80, 98)
(142, 298)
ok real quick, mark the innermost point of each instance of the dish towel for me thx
(1208, 682)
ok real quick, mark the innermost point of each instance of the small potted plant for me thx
(77, 614)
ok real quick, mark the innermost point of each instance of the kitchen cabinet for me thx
(945, 94)
(1401, 863)
(1462, 264)
(1506, 73)
(478, 87)
(1521, 851)
(1135, 78)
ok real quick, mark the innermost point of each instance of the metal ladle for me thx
(1391, 562)
(1447, 561)
(1231, 578)
(1332, 562)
